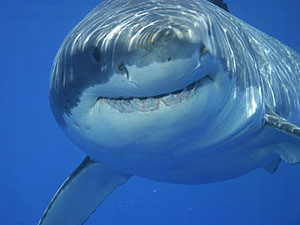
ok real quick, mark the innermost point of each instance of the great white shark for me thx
(171, 90)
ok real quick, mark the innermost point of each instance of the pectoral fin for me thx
(290, 150)
(282, 125)
(81, 193)
(273, 166)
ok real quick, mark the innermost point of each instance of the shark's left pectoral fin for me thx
(290, 151)
(81, 193)
(272, 166)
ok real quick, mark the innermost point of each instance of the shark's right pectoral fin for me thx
(81, 193)
(289, 151)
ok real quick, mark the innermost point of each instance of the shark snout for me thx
(157, 62)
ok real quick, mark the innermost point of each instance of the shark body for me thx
(175, 91)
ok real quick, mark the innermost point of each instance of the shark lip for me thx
(151, 103)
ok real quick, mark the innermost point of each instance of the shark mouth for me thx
(152, 103)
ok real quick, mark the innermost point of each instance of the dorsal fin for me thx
(220, 3)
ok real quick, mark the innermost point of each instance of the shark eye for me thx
(203, 49)
(96, 54)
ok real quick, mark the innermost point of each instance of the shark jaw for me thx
(154, 107)
(152, 103)
(144, 121)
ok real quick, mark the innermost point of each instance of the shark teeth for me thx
(127, 106)
(152, 103)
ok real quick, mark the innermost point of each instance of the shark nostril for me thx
(122, 69)
(96, 54)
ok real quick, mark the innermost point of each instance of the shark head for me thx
(175, 91)
(145, 75)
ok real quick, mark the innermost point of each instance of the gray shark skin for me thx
(174, 91)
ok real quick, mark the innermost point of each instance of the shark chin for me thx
(175, 91)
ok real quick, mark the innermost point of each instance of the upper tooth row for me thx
(151, 103)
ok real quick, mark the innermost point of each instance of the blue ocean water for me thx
(36, 157)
